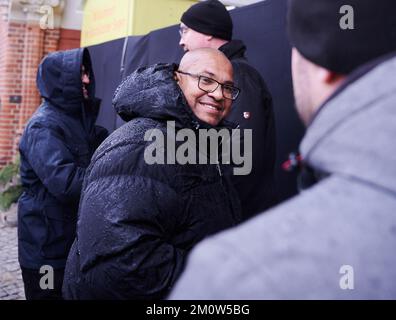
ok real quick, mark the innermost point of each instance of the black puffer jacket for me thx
(55, 149)
(257, 190)
(137, 221)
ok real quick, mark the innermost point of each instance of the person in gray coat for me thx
(335, 240)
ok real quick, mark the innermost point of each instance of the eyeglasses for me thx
(210, 85)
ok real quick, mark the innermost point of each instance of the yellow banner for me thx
(106, 20)
(156, 14)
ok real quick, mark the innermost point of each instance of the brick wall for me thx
(69, 39)
(32, 53)
(7, 111)
(22, 47)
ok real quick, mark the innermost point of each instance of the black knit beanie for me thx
(315, 31)
(209, 17)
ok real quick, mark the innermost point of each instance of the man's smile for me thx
(211, 107)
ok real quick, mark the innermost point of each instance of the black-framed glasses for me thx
(210, 85)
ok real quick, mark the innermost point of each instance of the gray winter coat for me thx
(337, 239)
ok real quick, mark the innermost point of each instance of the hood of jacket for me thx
(59, 79)
(353, 134)
(152, 92)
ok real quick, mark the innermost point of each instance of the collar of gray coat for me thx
(354, 132)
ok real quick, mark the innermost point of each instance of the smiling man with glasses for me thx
(207, 83)
(153, 213)
(210, 100)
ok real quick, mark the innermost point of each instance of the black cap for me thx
(317, 30)
(209, 17)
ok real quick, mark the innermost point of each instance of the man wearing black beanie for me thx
(209, 24)
(336, 239)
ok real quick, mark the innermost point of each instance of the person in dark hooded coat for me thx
(208, 24)
(137, 221)
(55, 149)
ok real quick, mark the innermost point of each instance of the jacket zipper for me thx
(219, 169)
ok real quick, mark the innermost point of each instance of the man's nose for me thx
(217, 94)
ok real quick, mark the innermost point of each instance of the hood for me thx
(354, 133)
(152, 92)
(234, 49)
(59, 79)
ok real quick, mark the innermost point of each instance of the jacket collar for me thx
(339, 107)
(234, 49)
(352, 135)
